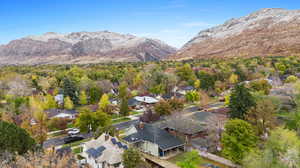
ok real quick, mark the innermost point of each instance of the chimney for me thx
(141, 125)
(106, 137)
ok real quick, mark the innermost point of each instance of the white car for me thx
(74, 131)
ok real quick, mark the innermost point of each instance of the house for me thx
(59, 99)
(153, 140)
(184, 90)
(61, 113)
(146, 99)
(104, 152)
(183, 127)
(193, 126)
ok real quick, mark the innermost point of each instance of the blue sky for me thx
(172, 21)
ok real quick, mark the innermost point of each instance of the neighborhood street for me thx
(123, 125)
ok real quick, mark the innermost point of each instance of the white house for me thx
(146, 99)
(104, 152)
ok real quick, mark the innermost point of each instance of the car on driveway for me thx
(74, 131)
(72, 139)
(208, 165)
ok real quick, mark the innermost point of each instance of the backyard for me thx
(204, 161)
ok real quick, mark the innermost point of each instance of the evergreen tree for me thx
(14, 139)
(70, 89)
(241, 101)
(131, 158)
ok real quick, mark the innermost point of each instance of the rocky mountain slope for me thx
(82, 47)
(267, 32)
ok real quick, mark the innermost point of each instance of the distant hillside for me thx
(267, 32)
(83, 47)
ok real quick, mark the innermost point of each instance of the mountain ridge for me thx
(82, 47)
(266, 32)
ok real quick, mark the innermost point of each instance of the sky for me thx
(172, 21)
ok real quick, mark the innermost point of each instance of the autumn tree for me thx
(39, 129)
(131, 158)
(49, 102)
(104, 104)
(262, 116)
(68, 103)
(261, 85)
(163, 108)
(83, 98)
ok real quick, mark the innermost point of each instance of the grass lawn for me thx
(70, 125)
(77, 150)
(181, 156)
(119, 120)
(135, 112)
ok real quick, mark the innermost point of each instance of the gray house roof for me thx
(54, 112)
(155, 135)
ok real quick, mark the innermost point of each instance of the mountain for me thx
(82, 47)
(267, 32)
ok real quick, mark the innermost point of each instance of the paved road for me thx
(60, 141)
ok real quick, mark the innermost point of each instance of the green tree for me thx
(261, 85)
(186, 73)
(83, 98)
(131, 158)
(123, 96)
(163, 108)
(68, 104)
(207, 80)
(280, 151)
(70, 89)
(190, 160)
(291, 79)
(92, 121)
(124, 108)
(14, 139)
(241, 101)
(238, 139)
(95, 94)
(192, 96)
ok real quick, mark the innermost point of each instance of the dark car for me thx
(208, 165)
(72, 139)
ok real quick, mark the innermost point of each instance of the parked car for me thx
(72, 139)
(208, 165)
(74, 131)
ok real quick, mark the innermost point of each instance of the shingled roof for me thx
(155, 135)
